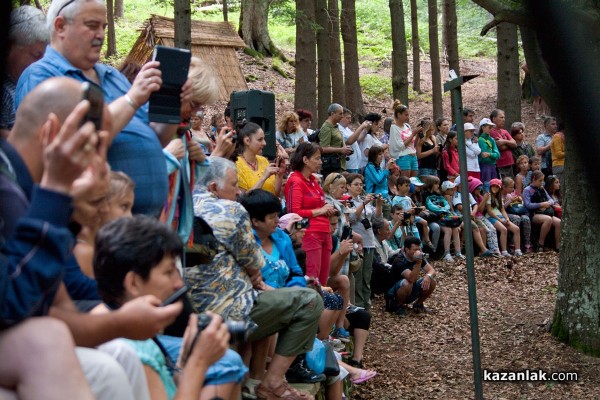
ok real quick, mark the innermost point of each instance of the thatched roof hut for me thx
(215, 43)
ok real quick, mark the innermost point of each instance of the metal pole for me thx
(455, 87)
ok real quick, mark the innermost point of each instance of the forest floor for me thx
(429, 355)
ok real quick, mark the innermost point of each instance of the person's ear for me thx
(49, 130)
(212, 187)
(59, 24)
(131, 284)
(305, 159)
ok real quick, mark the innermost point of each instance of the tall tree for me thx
(509, 86)
(225, 11)
(305, 94)
(451, 43)
(254, 26)
(399, 56)
(335, 51)
(111, 39)
(434, 56)
(183, 24)
(323, 60)
(416, 47)
(354, 99)
(119, 9)
(554, 33)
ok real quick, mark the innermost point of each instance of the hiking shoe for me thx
(300, 373)
(420, 308)
(390, 304)
(460, 256)
(341, 334)
(282, 392)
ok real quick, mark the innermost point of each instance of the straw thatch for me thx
(214, 43)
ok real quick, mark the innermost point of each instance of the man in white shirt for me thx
(352, 160)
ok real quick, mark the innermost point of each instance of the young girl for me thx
(538, 201)
(517, 213)
(375, 176)
(402, 140)
(450, 156)
(437, 203)
(489, 153)
(475, 187)
(473, 151)
(479, 230)
(523, 174)
(428, 149)
(498, 217)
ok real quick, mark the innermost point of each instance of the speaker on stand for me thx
(256, 106)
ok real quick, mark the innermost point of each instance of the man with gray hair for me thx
(332, 142)
(27, 38)
(228, 281)
(76, 38)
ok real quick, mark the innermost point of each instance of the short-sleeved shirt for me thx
(506, 157)
(330, 136)
(224, 286)
(543, 140)
(247, 177)
(401, 263)
(290, 140)
(136, 150)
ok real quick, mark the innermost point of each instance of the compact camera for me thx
(366, 223)
(302, 224)
(422, 256)
(406, 218)
(346, 232)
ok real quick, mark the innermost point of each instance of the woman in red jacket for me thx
(305, 197)
(450, 156)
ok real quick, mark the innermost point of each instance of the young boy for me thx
(407, 205)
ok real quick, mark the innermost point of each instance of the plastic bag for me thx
(315, 359)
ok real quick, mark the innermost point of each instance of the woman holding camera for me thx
(402, 141)
(360, 221)
(254, 170)
(305, 197)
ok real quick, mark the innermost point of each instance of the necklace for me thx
(252, 165)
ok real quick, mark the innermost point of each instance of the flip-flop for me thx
(365, 375)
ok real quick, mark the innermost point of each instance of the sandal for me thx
(365, 375)
(282, 392)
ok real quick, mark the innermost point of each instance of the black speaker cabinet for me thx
(256, 106)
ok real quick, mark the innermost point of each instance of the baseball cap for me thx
(416, 181)
(496, 182)
(486, 121)
(469, 127)
(447, 185)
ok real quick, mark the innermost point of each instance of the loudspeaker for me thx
(256, 106)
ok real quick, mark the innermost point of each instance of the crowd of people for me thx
(274, 262)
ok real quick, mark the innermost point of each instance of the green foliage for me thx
(375, 85)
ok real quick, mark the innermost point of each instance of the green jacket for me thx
(488, 144)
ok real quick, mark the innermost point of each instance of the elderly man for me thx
(77, 34)
(231, 285)
(27, 37)
(332, 142)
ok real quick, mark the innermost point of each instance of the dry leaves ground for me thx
(429, 355)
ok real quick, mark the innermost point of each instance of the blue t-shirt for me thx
(276, 271)
(136, 150)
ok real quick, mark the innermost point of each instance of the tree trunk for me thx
(323, 61)
(399, 56)
(509, 86)
(444, 44)
(451, 44)
(183, 24)
(225, 11)
(111, 38)
(305, 94)
(416, 47)
(119, 9)
(354, 99)
(254, 26)
(337, 72)
(434, 55)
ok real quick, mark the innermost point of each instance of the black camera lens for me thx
(237, 329)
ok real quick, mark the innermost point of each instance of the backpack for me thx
(314, 137)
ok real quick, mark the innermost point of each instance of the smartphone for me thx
(178, 295)
(346, 232)
(93, 94)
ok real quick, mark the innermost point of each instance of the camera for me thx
(422, 256)
(406, 218)
(237, 329)
(346, 232)
(302, 224)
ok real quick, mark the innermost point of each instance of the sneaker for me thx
(505, 254)
(336, 344)
(352, 309)
(300, 373)
(401, 311)
(460, 256)
(518, 253)
(341, 334)
(485, 254)
(528, 249)
(283, 392)
(420, 308)
(390, 304)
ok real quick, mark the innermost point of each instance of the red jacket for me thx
(453, 167)
(302, 196)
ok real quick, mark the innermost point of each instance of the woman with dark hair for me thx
(369, 138)
(539, 203)
(254, 170)
(427, 149)
(375, 177)
(517, 131)
(305, 197)
(450, 156)
(305, 118)
(552, 186)
(402, 141)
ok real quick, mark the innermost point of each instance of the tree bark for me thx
(337, 72)
(119, 9)
(416, 47)
(451, 45)
(183, 24)
(509, 87)
(399, 56)
(434, 55)
(354, 99)
(111, 38)
(225, 11)
(305, 94)
(254, 26)
(323, 61)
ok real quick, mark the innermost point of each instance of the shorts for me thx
(428, 172)
(494, 220)
(408, 163)
(414, 294)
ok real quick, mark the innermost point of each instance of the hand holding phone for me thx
(178, 295)
(93, 94)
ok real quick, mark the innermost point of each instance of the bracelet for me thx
(130, 101)
(431, 277)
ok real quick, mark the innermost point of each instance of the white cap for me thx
(416, 181)
(486, 121)
(469, 127)
(447, 185)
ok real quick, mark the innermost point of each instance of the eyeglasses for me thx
(63, 7)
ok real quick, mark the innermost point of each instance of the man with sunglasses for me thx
(77, 30)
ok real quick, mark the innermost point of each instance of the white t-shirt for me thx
(457, 199)
(367, 143)
(290, 140)
(353, 161)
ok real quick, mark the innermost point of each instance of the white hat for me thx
(416, 181)
(469, 127)
(447, 185)
(486, 121)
